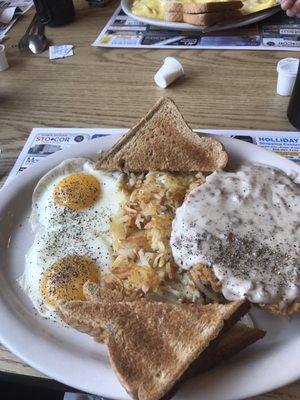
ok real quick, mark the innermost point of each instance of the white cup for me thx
(168, 72)
(3, 61)
(287, 70)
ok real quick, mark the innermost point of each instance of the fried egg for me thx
(72, 207)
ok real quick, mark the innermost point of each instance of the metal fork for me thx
(23, 43)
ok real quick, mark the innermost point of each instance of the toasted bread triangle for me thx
(94, 292)
(152, 345)
(231, 342)
(162, 141)
(237, 338)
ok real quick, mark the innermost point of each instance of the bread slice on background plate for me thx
(154, 346)
(173, 6)
(210, 18)
(174, 11)
(162, 141)
(172, 16)
(218, 6)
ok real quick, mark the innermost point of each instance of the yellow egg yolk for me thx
(77, 191)
(64, 279)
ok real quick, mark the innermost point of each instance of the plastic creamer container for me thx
(287, 70)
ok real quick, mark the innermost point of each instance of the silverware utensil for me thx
(23, 43)
(38, 43)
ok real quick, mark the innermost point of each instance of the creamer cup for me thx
(287, 71)
(168, 72)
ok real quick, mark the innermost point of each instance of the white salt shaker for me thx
(168, 72)
(287, 70)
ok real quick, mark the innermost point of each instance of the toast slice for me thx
(173, 11)
(136, 331)
(173, 7)
(210, 18)
(173, 16)
(162, 141)
(231, 342)
(94, 292)
(218, 6)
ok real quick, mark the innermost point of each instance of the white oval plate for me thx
(75, 359)
(180, 26)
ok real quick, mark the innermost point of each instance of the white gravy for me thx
(245, 225)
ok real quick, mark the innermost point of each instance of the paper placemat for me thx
(45, 141)
(276, 33)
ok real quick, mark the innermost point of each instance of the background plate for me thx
(74, 358)
(181, 26)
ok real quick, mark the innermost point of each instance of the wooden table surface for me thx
(114, 87)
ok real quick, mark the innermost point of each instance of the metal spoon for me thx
(23, 43)
(38, 43)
